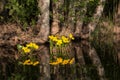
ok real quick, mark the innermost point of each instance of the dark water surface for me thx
(91, 63)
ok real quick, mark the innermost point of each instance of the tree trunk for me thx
(43, 21)
(55, 28)
(2, 3)
(94, 57)
(69, 18)
(92, 25)
(117, 14)
(65, 17)
(119, 8)
(80, 13)
(96, 61)
(80, 62)
(43, 54)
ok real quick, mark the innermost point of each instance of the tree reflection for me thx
(88, 65)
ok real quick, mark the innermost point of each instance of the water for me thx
(92, 62)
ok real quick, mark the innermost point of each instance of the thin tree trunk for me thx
(65, 15)
(95, 60)
(43, 21)
(92, 25)
(55, 14)
(2, 4)
(44, 67)
(81, 62)
(80, 13)
(69, 17)
(117, 25)
(117, 14)
(118, 7)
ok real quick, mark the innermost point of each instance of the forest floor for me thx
(12, 34)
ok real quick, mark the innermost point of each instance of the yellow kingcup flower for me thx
(27, 62)
(54, 63)
(72, 60)
(59, 43)
(59, 60)
(35, 46)
(26, 49)
(65, 61)
(32, 45)
(51, 37)
(71, 36)
(29, 45)
(54, 39)
(35, 63)
(63, 37)
(65, 40)
(30, 63)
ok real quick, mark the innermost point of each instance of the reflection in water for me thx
(44, 67)
(92, 60)
(90, 64)
(95, 61)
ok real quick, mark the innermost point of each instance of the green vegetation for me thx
(24, 12)
(26, 54)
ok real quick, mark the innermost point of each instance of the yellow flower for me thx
(32, 45)
(30, 63)
(72, 60)
(71, 36)
(26, 49)
(35, 46)
(65, 61)
(27, 62)
(54, 63)
(59, 60)
(35, 63)
(65, 40)
(59, 43)
(53, 38)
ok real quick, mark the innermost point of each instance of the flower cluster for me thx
(61, 40)
(29, 47)
(26, 49)
(62, 61)
(29, 62)
(32, 45)
(26, 53)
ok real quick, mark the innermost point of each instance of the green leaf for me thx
(19, 47)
